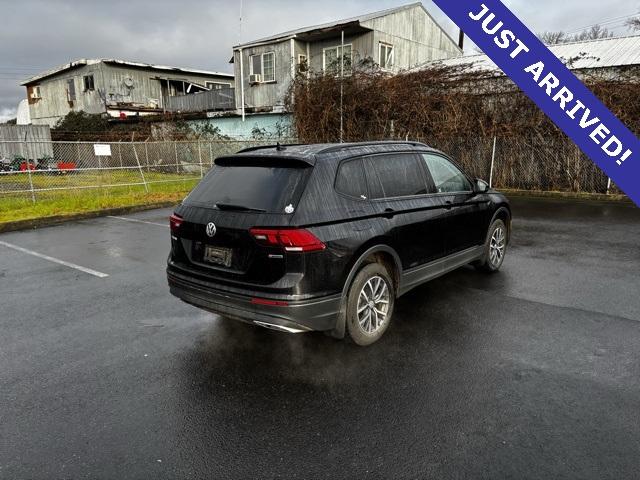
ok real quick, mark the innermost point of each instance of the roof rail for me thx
(342, 146)
(278, 146)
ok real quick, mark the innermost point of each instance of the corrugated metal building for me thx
(31, 142)
(608, 53)
(113, 87)
(395, 39)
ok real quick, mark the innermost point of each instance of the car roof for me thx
(312, 153)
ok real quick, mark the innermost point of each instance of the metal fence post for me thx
(608, 184)
(146, 153)
(26, 149)
(99, 162)
(135, 152)
(210, 156)
(493, 158)
(175, 147)
(200, 157)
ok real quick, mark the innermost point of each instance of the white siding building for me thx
(396, 39)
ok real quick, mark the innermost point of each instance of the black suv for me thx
(326, 237)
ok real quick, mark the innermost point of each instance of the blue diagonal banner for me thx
(550, 84)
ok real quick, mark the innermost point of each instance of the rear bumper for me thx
(290, 316)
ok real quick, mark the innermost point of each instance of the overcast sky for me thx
(36, 35)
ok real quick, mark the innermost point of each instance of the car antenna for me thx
(279, 147)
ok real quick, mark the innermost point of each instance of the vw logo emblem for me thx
(211, 229)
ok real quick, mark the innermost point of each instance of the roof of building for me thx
(115, 61)
(352, 21)
(601, 53)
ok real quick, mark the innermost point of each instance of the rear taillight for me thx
(174, 222)
(292, 240)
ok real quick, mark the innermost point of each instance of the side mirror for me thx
(480, 186)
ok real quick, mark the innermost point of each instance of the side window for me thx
(350, 179)
(396, 175)
(446, 176)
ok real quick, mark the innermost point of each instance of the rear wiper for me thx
(231, 206)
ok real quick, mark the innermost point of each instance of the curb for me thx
(594, 197)
(58, 219)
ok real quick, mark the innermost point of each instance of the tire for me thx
(495, 248)
(373, 280)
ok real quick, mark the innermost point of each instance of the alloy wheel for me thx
(497, 247)
(373, 304)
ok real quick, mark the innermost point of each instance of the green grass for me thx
(76, 199)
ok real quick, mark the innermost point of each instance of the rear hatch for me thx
(238, 194)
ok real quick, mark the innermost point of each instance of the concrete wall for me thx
(270, 125)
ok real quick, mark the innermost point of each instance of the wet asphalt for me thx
(530, 373)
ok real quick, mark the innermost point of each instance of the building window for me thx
(88, 83)
(331, 59)
(35, 92)
(216, 85)
(268, 67)
(303, 65)
(263, 65)
(386, 55)
(71, 90)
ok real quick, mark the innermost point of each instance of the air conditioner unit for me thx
(255, 78)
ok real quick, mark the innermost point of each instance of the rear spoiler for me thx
(275, 159)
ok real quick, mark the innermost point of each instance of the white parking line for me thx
(139, 221)
(55, 260)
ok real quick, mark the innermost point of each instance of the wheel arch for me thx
(373, 251)
(503, 213)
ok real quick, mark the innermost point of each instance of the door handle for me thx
(448, 204)
(389, 212)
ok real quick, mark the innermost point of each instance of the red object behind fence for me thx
(24, 166)
(67, 166)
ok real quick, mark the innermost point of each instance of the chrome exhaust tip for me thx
(279, 328)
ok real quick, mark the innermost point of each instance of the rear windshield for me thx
(266, 188)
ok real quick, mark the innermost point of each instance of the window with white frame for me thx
(331, 57)
(263, 64)
(386, 55)
(216, 85)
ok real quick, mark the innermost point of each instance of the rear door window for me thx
(351, 180)
(446, 176)
(396, 175)
(266, 187)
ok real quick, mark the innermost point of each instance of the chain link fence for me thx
(73, 167)
(534, 164)
(67, 168)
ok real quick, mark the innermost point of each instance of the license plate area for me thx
(217, 255)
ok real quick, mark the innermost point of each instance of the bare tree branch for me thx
(594, 33)
(634, 23)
